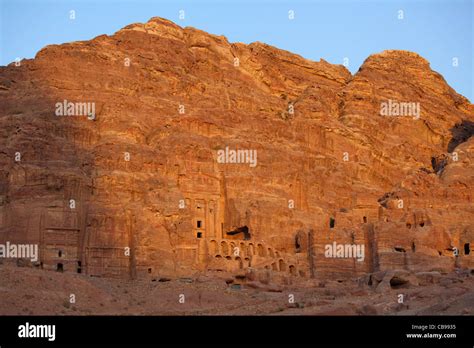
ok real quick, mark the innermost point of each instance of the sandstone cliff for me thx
(137, 189)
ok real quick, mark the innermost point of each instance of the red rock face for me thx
(186, 153)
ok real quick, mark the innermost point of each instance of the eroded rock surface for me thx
(136, 189)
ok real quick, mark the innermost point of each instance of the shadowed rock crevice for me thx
(461, 132)
(438, 163)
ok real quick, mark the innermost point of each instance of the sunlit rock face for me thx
(167, 151)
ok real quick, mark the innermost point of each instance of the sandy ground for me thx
(27, 291)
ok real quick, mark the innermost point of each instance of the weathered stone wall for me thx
(150, 194)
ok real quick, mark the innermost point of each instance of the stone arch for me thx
(218, 257)
(228, 257)
(241, 264)
(232, 248)
(247, 262)
(251, 249)
(301, 241)
(282, 265)
(293, 270)
(260, 250)
(213, 247)
(270, 253)
(224, 248)
(277, 254)
(243, 249)
(274, 266)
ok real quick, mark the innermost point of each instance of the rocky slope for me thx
(424, 293)
(137, 189)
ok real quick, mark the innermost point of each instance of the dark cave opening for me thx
(461, 132)
(396, 283)
(243, 229)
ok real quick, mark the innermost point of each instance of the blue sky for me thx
(439, 30)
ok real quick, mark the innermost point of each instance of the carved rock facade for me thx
(138, 191)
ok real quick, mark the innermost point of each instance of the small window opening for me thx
(467, 249)
(297, 245)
